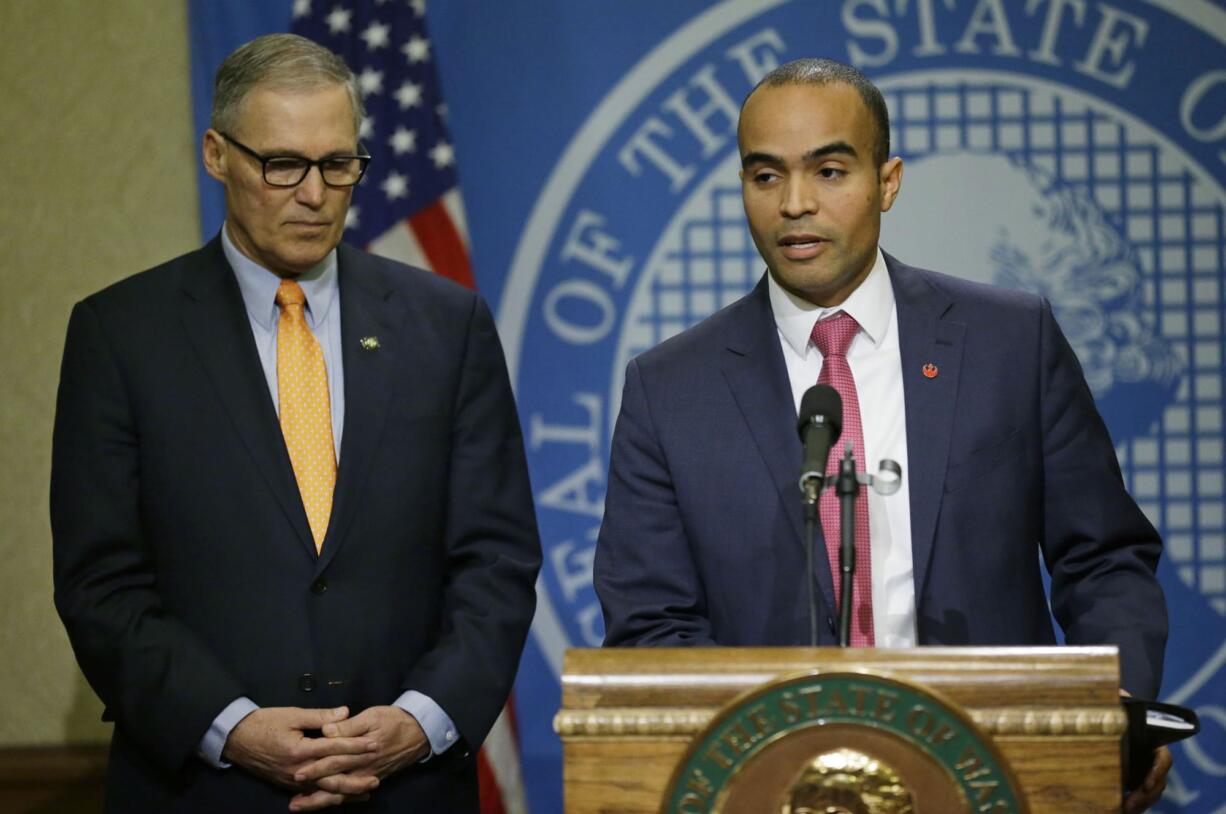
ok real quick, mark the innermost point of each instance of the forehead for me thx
(785, 119)
(298, 118)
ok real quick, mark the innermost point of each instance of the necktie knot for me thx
(833, 335)
(290, 293)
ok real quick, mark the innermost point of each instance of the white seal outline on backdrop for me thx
(590, 141)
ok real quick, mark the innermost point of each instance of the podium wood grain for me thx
(628, 715)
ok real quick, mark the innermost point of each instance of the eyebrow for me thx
(288, 153)
(833, 148)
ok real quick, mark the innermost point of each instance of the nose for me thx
(312, 190)
(799, 197)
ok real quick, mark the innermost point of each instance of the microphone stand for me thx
(811, 491)
(847, 487)
(846, 484)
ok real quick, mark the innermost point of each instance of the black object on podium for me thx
(1151, 724)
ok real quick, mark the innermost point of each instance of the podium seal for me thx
(842, 743)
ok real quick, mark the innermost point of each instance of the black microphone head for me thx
(821, 402)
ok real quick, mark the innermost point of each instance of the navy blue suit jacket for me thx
(1009, 461)
(185, 570)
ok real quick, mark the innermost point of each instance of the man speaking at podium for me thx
(972, 389)
(295, 549)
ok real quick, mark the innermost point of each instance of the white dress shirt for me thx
(876, 366)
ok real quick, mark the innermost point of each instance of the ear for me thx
(213, 151)
(890, 179)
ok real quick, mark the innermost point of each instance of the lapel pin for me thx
(369, 342)
(930, 371)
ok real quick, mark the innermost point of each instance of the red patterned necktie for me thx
(833, 337)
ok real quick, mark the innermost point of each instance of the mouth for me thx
(309, 226)
(802, 246)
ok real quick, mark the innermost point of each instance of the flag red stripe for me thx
(491, 794)
(442, 244)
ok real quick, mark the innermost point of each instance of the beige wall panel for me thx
(97, 168)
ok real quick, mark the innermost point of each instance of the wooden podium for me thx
(739, 729)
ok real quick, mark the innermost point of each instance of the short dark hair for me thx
(826, 71)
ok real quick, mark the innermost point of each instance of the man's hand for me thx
(400, 742)
(270, 743)
(1141, 799)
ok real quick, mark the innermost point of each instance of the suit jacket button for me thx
(306, 682)
(319, 586)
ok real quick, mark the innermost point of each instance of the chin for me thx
(293, 266)
(308, 253)
(804, 282)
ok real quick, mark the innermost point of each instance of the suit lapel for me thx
(216, 322)
(757, 375)
(925, 338)
(367, 313)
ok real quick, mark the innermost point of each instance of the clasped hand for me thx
(343, 765)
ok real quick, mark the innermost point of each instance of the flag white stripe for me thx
(502, 753)
(454, 204)
(399, 243)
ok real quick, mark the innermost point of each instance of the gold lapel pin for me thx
(370, 343)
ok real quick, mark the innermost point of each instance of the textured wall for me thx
(97, 160)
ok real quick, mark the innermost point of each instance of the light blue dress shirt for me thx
(323, 315)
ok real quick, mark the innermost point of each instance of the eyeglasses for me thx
(291, 170)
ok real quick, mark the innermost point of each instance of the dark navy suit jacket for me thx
(185, 570)
(1009, 463)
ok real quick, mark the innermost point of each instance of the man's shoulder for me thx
(413, 284)
(710, 338)
(146, 288)
(967, 300)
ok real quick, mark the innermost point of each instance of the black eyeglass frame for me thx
(309, 164)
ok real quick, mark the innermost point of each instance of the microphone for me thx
(819, 425)
(821, 421)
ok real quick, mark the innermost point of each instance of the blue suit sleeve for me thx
(157, 678)
(491, 542)
(1101, 551)
(644, 571)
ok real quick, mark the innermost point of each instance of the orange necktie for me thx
(306, 414)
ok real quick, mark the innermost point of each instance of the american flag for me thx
(408, 207)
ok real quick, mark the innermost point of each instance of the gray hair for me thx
(827, 71)
(285, 62)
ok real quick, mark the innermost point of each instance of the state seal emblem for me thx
(842, 743)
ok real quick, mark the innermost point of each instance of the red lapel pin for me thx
(930, 371)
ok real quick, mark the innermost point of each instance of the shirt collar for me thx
(259, 285)
(870, 305)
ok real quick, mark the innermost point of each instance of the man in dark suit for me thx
(295, 549)
(973, 390)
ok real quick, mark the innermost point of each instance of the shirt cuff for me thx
(440, 730)
(214, 741)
